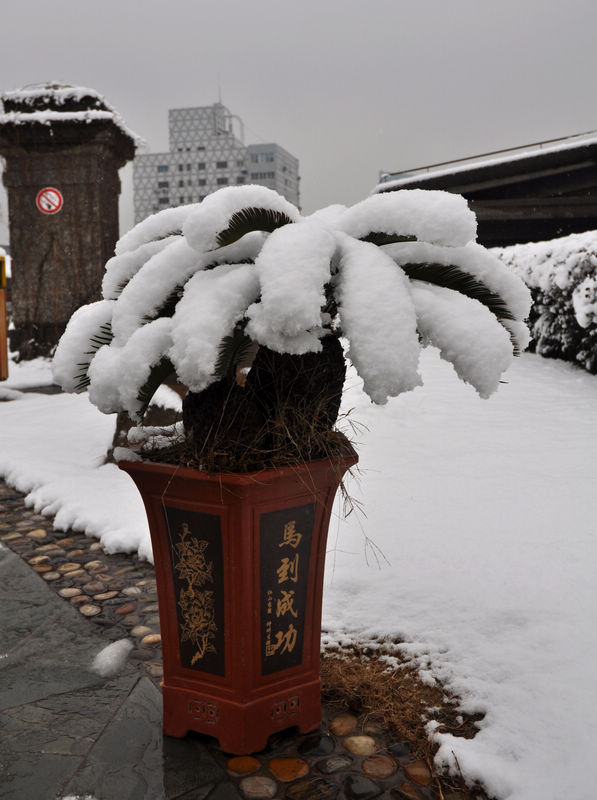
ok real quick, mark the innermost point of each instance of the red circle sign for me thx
(49, 200)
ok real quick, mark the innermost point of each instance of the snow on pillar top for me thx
(54, 104)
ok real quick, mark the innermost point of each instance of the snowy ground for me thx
(484, 512)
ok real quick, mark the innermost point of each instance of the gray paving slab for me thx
(126, 760)
(47, 648)
(66, 731)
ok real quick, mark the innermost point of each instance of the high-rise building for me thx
(207, 151)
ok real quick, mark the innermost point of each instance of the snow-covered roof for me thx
(59, 93)
(414, 176)
(50, 103)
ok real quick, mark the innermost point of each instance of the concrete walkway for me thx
(64, 730)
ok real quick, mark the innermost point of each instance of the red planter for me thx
(239, 561)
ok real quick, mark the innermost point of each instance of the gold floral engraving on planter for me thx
(198, 583)
(195, 602)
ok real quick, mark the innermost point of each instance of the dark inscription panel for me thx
(285, 548)
(198, 575)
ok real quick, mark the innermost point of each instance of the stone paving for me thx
(116, 592)
(110, 597)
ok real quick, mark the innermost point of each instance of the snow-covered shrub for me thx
(243, 283)
(562, 277)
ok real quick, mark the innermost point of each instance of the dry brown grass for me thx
(244, 458)
(292, 438)
(398, 699)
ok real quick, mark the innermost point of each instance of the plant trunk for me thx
(284, 414)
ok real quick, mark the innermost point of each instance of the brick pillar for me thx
(58, 259)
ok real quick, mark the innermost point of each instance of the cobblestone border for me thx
(115, 592)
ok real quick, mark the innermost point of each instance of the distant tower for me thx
(207, 152)
(63, 147)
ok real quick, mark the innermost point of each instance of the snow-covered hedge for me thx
(562, 277)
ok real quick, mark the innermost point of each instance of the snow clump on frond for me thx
(395, 272)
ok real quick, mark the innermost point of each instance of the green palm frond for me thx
(217, 262)
(251, 219)
(380, 238)
(235, 350)
(451, 277)
(331, 303)
(101, 337)
(168, 307)
(167, 234)
(82, 378)
(158, 375)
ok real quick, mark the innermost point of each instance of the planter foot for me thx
(240, 728)
(176, 731)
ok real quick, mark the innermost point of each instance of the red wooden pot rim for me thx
(239, 478)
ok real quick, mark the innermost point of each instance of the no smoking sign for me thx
(49, 200)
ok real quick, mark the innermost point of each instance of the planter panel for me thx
(285, 550)
(239, 562)
(195, 541)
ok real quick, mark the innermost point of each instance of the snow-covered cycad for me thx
(202, 293)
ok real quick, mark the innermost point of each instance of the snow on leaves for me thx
(562, 276)
(184, 280)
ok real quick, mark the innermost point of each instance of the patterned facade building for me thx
(207, 152)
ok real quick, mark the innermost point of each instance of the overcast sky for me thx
(350, 88)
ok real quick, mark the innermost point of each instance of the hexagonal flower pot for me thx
(239, 562)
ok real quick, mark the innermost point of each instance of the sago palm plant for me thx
(251, 306)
